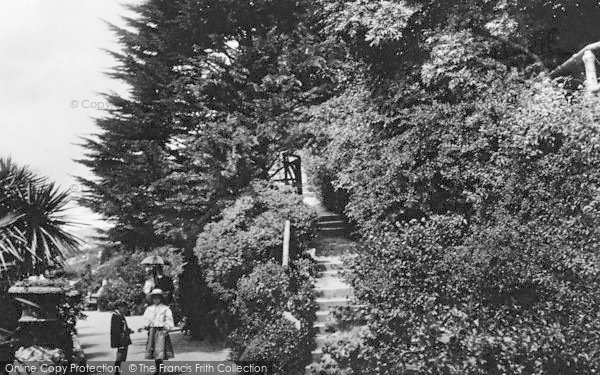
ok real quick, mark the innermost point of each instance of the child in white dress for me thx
(158, 320)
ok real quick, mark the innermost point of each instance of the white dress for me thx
(158, 316)
(159, 320)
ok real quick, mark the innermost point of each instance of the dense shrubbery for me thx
(344, 354)
(262, 294)
(240, 255)
(250, 232)
(280, 343)
(263, 333)
(119, 289)
(480, 222)
(505, 300)
(126, 276)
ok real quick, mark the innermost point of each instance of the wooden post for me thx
(589, 60)
(286, 244)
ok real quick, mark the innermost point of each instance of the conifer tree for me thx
(214, 89)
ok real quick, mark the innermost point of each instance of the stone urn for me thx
(40, 324)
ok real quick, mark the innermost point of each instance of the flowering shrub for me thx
(39, 354)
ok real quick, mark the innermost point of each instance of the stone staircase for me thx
(330, 289)
(331, 246)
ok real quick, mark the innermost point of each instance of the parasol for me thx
(155, 260)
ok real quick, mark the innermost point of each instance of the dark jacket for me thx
(119, 331)
(165, 283)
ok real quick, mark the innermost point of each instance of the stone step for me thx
(331, 282)
(316, 355)
(328, 259)
(320, 340)
(329, 273)
(330, 217)
(331, 266)
(309, 191)
(327, 303)
(333, 245)
(322, 316)
(332, 287)
(338, 231)
(310, 201)
(320, 328)
(334, 293)
(331, 224)
(335, 252)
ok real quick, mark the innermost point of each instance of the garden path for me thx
(94, 336)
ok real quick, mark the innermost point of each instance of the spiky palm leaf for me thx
(32, 220)
(11, 240)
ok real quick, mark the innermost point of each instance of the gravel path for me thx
(94, 336)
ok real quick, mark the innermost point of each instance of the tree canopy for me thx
(214, 92)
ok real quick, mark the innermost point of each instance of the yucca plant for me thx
(32, 222)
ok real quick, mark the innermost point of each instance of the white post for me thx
(589, 60)
(286, 244)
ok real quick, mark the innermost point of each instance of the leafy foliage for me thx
(250, 232)
(126, 276)
(263, 333)
(462, 304)
(263, 293)
(279, 343)
(478, 215)
(33, 227)
(239, 254)
(343, 353)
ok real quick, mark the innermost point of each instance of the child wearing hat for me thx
(158, 320)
